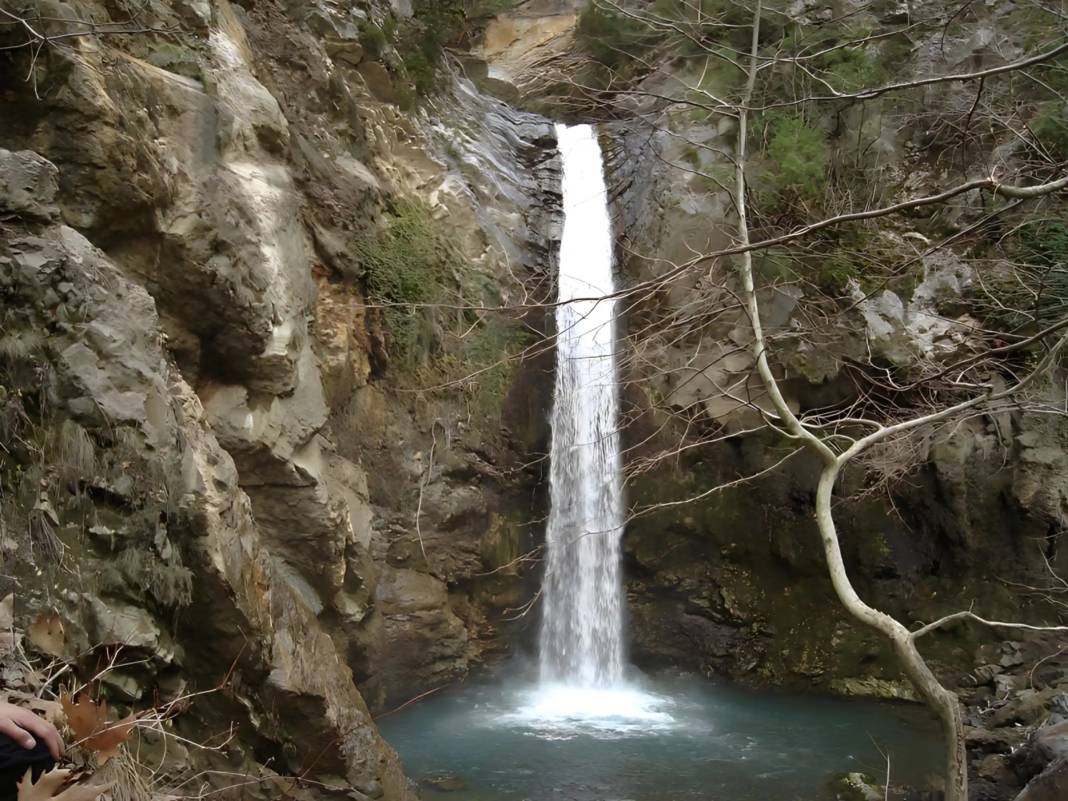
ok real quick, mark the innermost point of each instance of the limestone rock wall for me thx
(740, 576)
(735, 583)
(162, 486)
(223, 467)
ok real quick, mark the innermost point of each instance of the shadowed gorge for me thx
(562, 400)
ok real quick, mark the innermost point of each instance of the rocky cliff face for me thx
(971, 506)
(217, 455)
(139, 519)
(263, 429)
(735, 583)
(964, 517)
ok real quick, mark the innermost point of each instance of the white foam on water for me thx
(561, 710)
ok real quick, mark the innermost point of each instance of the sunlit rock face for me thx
(109, 371)
(189, 215)
(519, 50)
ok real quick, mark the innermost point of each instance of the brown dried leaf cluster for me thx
(47, 634)
(55, 786)
(88, 720)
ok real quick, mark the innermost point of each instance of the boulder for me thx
(869, 687)
(413, 641)
(1050, 785)
(28, 185)
(1052, 739)
(858, 787)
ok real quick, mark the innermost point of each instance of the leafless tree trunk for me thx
(941, 701)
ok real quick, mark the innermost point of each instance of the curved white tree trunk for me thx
(941, 701)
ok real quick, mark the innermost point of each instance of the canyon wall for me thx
(267, 428)
(218, 452)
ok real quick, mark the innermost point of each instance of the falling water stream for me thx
(582, 614)
(581, 644)
(588, 728)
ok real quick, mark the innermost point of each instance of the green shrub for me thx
(1044, 247)
(1033, 293)
(721, 21)
(849, 69)
(490, 8)
(611, 38)
(405, 97)
(1050, 127)
(372, 39)
(797, 157)
(835, 272)
(426, 288)
(1045, 244)
(893, 52)
(716, 178)
(720, 78)
(488, 360)
(421, 40)
(411, 264)
(421, 71)
(774, 264)
(619, 42)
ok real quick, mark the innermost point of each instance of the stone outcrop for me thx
(216, 423)
(111, 380)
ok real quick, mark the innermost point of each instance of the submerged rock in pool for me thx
(862, 787)
(444, 782)
(857, 787)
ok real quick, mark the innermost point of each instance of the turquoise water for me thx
(672, 738)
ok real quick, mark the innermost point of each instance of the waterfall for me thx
(582, 624)
(582, 687)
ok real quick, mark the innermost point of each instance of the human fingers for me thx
(43, 730)
(17, 733)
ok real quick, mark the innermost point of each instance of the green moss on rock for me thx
(411, 266)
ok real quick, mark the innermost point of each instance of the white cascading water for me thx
(582, 623)
(582, 686)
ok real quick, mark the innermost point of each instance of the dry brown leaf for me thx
(85, 716)
(92, 730)
(46, 633)
(47, 785)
